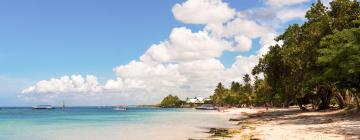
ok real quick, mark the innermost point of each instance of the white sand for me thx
(292, 124)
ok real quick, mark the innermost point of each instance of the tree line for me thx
(171, 101)
(316, 63)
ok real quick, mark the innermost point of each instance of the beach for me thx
(294, 124)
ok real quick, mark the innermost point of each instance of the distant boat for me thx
(43, 107)
(63, 105)
(206, 107)
(120, 108)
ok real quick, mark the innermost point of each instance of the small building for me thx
(196, 100)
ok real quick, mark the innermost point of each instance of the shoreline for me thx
(289, 123)
(234, 123)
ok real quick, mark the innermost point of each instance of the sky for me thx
(109, 52)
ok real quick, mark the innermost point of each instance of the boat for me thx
(120, 108)
(206, 107)
(43, 107)
(63, 105)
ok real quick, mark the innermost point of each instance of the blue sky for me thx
(42, 39)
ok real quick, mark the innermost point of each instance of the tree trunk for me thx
(325, 94)
(340, 100)
(344, 95)
(357, 101)
(286, 103)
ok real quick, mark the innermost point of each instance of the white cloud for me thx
(184, 45)
(243, 43)
(203, 11)
(138, 78)
(158, 52)
(266, 41)
(138, 74)
(276, 13)
(198, 72)
(66, 84)
(114, 85)
(290, 14)
(326, 2)
(187, 63)
(280, 3)
(243, 65)
(243, 30)
(246, 27)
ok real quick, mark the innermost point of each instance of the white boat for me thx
(119, 108)
(43, 107)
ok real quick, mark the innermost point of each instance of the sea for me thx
(105, 123)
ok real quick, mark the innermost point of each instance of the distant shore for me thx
(290, 123)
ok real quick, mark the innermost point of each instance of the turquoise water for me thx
(104, 123)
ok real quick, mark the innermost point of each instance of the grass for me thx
(223, 132)
(248, 137)
(244, 125)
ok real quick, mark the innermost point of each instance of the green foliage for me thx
(317, 57)
(271, 64)
(262, 92)
(171, 102)
(340, 59)
(219, 93)
(316, 61)
(240, 95)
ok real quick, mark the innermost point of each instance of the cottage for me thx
(197, 100)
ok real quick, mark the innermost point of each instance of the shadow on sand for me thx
(330, 117)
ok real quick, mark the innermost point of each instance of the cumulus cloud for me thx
(198, 73)
(280, 3)
(243, 43)
(203, 11)
(66, 84)
(290, 14)
(245, 27)
(184, 45)
(138, 74)
(243, 65)
(276, 13)
(243, 31)
(187, 63)
(114, 85)
(266, 41)
(326, 2)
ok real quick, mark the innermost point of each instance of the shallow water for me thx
(94, 123)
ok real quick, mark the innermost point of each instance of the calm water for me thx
(93, 123)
